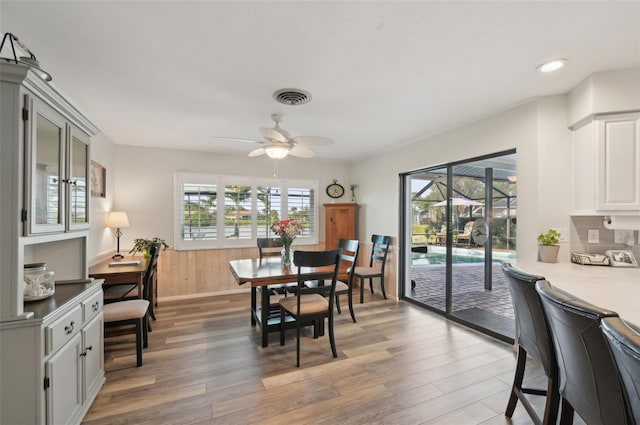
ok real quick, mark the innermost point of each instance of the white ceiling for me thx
(178, 74)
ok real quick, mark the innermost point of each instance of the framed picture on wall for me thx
(98, 180)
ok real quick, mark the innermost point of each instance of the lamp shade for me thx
(117, 219)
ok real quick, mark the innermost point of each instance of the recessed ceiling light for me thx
(551, 66)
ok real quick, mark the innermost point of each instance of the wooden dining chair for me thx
(348, 259)
(272, 247)
(377, 261)
(127, 291)
(312, 304)
(135, 311)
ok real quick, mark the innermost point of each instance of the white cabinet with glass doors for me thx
(57, 164)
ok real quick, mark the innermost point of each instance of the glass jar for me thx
(39, 282)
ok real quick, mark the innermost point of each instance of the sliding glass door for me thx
(458, 226)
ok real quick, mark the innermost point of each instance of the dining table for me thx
(261, 274)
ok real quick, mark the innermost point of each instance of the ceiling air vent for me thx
(292, 97)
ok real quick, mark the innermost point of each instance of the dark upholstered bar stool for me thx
(588, 378)
(534, 339)
(624, 342)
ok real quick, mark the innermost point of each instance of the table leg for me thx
(264, 316)
(253, 306)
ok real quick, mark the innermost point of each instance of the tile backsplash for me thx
(579, 236)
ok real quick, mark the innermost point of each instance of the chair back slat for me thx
(350, 250)
(267, 247)
(379, 249)
(308, 263)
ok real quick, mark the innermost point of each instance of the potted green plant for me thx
(548, 246)
(144, 245)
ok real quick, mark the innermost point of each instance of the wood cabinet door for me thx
(340, 223)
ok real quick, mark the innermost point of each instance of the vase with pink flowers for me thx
(287, 230)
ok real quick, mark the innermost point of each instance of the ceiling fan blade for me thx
(273, 134)
(313, 140)
(301, 151)
(256, 152)
(235, 139)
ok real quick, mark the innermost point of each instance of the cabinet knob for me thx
(84, 354)
(96, 306)
(69, 329)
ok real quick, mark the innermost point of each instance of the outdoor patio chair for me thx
(379, 250)
(441, 236)
(464, 238)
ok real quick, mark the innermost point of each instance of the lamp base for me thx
(117, 256)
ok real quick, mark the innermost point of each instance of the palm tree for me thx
(237, 194)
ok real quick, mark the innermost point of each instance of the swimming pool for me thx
(437, 255)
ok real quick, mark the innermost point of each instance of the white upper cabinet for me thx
(606, 166)
(57, 170)
(618, 163)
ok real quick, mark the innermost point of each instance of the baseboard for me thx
(203, 294)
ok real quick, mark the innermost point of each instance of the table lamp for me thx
(117, 220)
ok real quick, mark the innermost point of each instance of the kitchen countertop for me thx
(65, 293)
(614, 288)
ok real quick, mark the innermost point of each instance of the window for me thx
(216, 211)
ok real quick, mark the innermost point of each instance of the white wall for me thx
(102, 239)
(554, 168)
(144, 181)
(538, 132)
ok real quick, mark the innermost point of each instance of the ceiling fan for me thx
(278, 143)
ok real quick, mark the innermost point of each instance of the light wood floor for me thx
(398, 365)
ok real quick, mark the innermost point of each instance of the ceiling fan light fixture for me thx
(276, 151)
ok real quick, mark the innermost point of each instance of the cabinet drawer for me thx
(63, 329)
(92, 306)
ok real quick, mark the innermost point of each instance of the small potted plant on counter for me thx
(548, 246)
(144, 245)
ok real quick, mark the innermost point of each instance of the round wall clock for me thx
(335, 190)
(480, 232)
